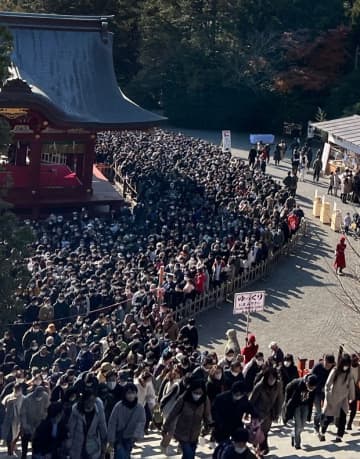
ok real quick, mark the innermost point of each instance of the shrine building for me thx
(61, 90)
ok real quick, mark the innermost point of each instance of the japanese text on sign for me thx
(249, 302)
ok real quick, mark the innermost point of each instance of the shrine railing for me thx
(124, 184)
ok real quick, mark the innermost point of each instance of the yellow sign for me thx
(13, 113)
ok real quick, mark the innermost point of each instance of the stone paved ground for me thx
(306, 312)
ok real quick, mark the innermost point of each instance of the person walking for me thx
(228, 411)
(126, 423)
(251, 348)
(339, 390)
(299, 396)
(355, 372)
(10, 429)
(321, 370)
(192, 411)
(33, 411)
(340, 262)
(337, 181)
(317, 166)
(331, 183)
(289, 370)
(51, 435)
(277, 155)
(267, 399)
(87, 428)
(236, 448)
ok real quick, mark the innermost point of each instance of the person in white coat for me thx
(146, 395)
(339, 390)
(12, 421)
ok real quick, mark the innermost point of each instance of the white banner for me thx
(264, 138)
(226, 141)
(325, 156)
(249, 302)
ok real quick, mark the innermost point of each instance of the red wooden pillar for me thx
(88, 162)
(35, 162)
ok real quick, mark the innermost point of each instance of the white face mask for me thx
(111, 385)
(239, 450)
(259, 362)
(346, 368)
(130, 397)
(196, 397)
(234, 373)
(287, 364)
(218, 377)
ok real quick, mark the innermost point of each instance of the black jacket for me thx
(45, 443)
(227, 414)
(296, 394)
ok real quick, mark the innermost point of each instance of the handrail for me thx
(125, 184)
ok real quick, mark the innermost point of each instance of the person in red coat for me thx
(249, 351)
(340, 263)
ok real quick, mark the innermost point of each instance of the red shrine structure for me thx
(60, 92)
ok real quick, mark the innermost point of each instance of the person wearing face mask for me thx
(87, 428)
(33, 349)
(289, 370)
(191, 412)
(146, 394)
(215, 383)
(299, 397)
(252, 370)
(321, 370)
(10, 429)
(339, 390)
(33, 334)
(233, 375)
(33, 411)
(228, 358)
(112, 393)
(59, 391)
(41, 359)
(51, 435)
(267, 398)
(236, 448)
(126, 423)
(229, 409)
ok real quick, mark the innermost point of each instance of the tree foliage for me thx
(14, 247)
(221, 63)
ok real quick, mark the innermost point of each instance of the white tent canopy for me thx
(344, 132)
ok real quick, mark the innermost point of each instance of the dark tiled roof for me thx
(67, 65)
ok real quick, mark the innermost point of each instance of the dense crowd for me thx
(98, 357)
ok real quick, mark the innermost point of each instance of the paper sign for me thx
(226, 140)
(249, 302)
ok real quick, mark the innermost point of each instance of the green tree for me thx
(15, 238)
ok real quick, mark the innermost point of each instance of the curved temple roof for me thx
(66, 63)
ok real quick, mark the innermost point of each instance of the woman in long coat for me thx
(340, 262)
(11, 424)
(191, 412)
(267, 398)
(339, 390)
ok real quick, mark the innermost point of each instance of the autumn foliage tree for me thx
(313, 64)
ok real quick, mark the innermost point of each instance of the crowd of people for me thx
(98, 357)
